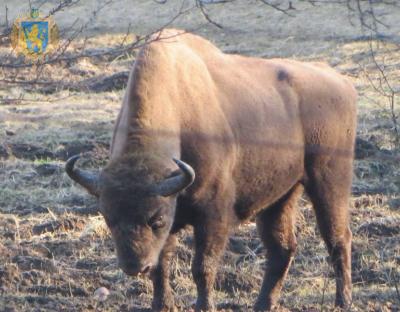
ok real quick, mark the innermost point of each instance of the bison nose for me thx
(129, 271)
(146, 268)
(133, 270)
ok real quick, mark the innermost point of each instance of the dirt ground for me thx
(55, 250)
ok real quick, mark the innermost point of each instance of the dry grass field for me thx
(55, 250)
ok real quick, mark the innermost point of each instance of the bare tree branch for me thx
(63, 56)
(199, 3)
(279, 8)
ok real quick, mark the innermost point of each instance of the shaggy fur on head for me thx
(135, 171)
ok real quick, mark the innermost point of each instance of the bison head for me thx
(137, 198)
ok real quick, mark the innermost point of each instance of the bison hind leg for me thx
(276, 227)
(329, 190)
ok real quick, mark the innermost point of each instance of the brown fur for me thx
(255, 131)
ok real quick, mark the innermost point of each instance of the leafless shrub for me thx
(12, 67)
(382, 83)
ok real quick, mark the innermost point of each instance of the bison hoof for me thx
(165, 309)
(262, 309)
(343, 303)
(264, 306)
(202, 306)
(165, 306)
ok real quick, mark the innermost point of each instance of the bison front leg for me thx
(163, 299)
(210, 240)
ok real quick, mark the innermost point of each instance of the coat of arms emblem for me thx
(34, 36)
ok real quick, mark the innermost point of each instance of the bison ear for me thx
(88, 180)
(178, 181)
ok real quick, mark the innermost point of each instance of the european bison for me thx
(247, 134)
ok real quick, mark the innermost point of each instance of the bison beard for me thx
(256, 132)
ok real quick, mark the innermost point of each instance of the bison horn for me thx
(87, 179)
(177, 183)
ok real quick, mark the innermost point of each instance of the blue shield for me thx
(36, 35)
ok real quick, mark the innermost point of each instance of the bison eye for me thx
(157, 222)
